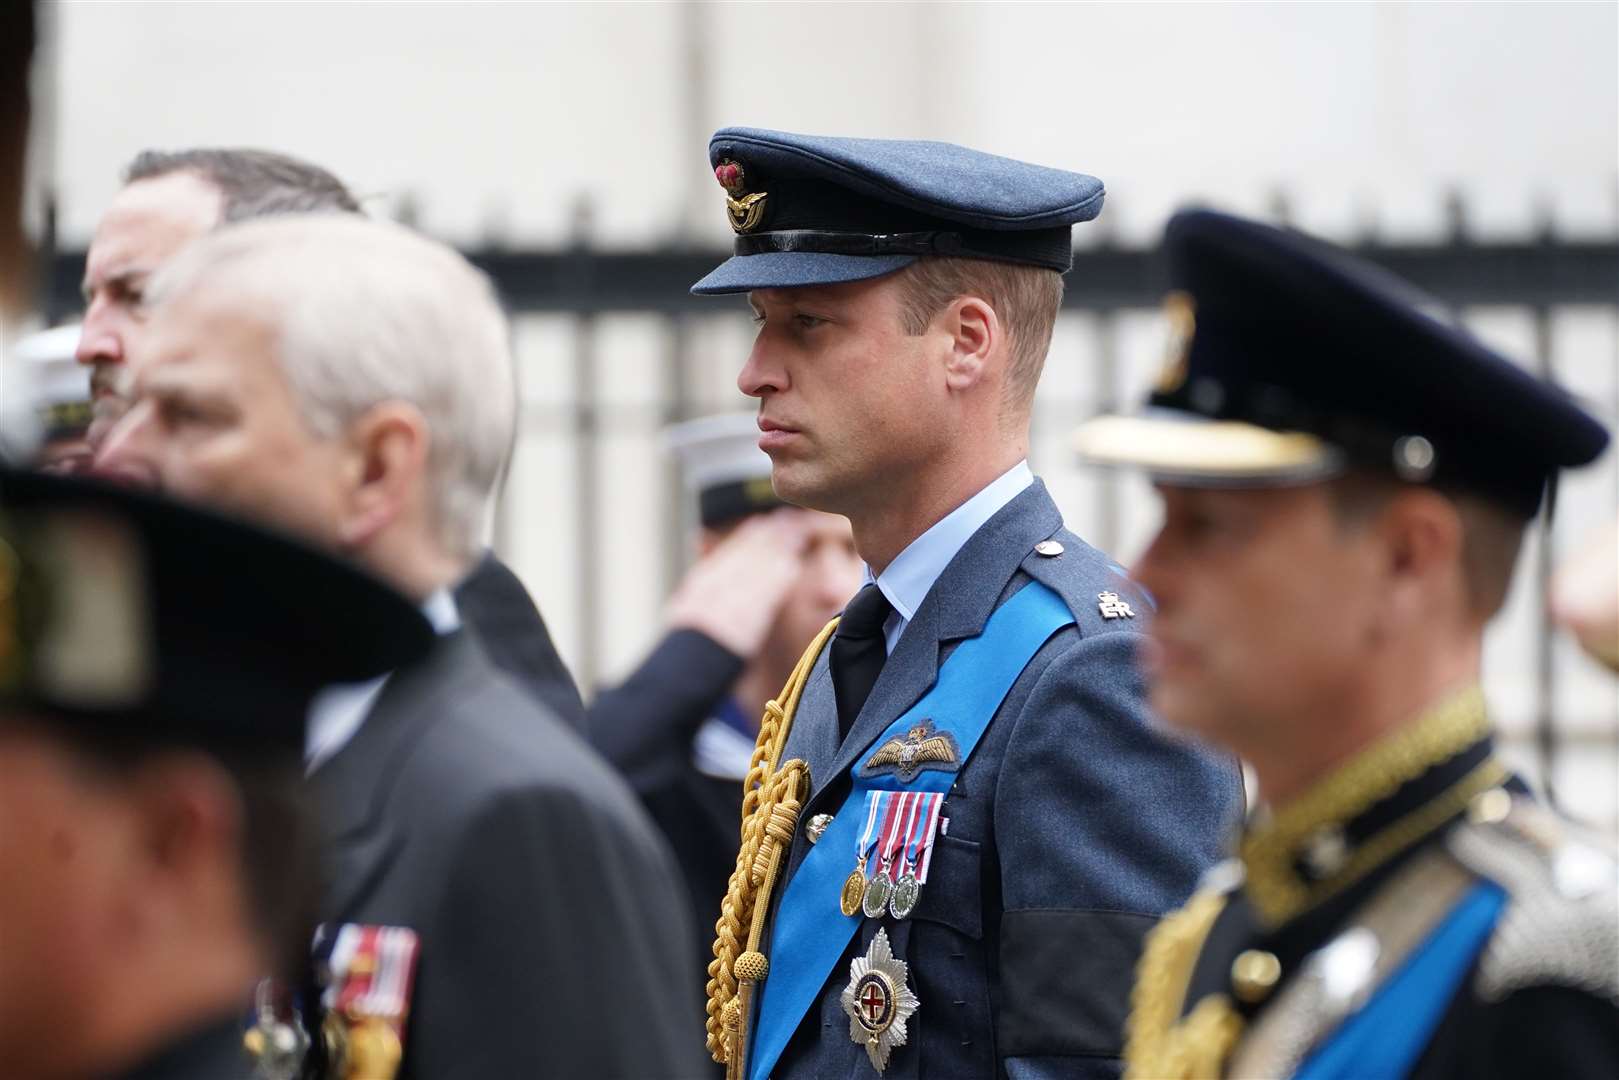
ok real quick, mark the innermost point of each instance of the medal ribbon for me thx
(899, 803)
(810, 932)
(930, 828)
(921, 833)
(872, 803)
(372, 972)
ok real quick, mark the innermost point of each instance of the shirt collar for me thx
(440, 609)
(908, 579)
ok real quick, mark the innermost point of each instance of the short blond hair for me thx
(1026, 299)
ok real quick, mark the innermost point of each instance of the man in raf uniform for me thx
(682, 727)
(961, 819)
(156, 666)
(1346, 481)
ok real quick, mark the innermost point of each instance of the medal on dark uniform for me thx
(854, 886)
(878, 1001)
(877, 890)
(367, 1000)
(918, 851)
(881, 885)
(277, 1045)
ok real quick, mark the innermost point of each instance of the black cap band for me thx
(724, 503)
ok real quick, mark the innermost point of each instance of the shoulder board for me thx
(1559, 926)
(1096, 589)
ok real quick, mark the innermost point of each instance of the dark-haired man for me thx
(157, 855)
(974, 819)
(1346, 481)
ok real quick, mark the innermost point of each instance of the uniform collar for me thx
(907, 580)
(1370, 810)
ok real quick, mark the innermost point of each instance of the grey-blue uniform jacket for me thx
(1075, 824)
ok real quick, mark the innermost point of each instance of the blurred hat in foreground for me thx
(723, 467)
(819, 210)
(126, 613)
(1292, 361)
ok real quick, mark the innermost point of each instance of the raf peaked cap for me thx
(817, 210)
(1291, 361)
(127, 614)
(723, 467)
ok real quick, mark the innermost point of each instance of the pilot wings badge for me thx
(921, 748)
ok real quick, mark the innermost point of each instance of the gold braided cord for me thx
(1268, 851)
(1159, 1045)
(772, 796)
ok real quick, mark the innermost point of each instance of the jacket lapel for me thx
(352, 788)
(814, 734)
(957, 607)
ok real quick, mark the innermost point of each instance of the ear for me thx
(388, 447)
(1422, 535)
(975, 334)
(189, 824)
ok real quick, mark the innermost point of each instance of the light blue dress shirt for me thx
(911, 575)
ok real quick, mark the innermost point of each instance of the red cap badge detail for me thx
(744, 211)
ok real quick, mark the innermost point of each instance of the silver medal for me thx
(875, 902)
(905, 895)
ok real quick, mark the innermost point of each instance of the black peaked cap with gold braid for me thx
(1292, 361)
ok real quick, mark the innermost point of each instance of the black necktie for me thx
(858, 652)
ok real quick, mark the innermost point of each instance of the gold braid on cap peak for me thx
(772, 795)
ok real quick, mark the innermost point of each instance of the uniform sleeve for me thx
(1104, 822)
(645, 726)
(561, 948)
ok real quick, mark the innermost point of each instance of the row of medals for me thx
(879, 892)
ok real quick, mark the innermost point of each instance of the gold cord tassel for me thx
(772, 795)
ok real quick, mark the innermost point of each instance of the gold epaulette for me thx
(772, 795)
(1159, 1045)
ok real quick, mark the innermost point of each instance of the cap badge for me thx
(744, 211)
(1180, 321)
(921, 748)
(1414, 458)
(878, 1001)
(1112, 607)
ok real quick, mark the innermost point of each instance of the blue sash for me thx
(1385, 1038)
(811, 931)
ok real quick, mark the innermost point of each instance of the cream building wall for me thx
(496, 122)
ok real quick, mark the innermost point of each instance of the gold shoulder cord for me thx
(772, 796)
(1158, 1045)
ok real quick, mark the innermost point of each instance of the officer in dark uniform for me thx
(1346, 480)
(682, 727)
(156, 667)
(964, 819)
